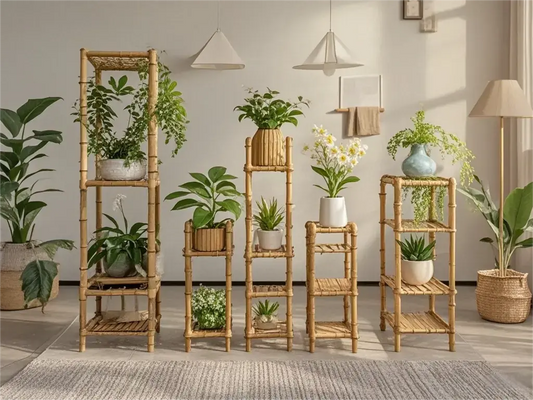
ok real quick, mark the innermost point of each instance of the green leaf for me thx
(201, 178)
(226, 177)
(10, 158)
(113, 220)
(6, 188)
(320, 171)
(30, 150)
(230, 192)
(232, 206)
(122, 81)
(177, 194)
(486, 240)
(197, 188)
(37, 280)
(48, 136)
(34, 107)
(518, 206)
(349, 179)
(51, 246)
(525, 243)
(201, 217)
(216, 173)
(187, 203)
(138, 225)
(11, 121)
(226, 184)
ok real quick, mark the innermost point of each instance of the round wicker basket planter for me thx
(267, 148)
(503, 299)
(209, 239)
(15, 257)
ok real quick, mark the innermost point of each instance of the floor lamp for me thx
(504, 99)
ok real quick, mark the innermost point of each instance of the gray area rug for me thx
(163, 380)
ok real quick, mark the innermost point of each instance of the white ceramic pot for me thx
(417, 272)
(115, 170)
(269, 240)
(266, 322)
(333, 212)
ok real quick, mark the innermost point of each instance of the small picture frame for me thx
(360, 91)
(413, 9)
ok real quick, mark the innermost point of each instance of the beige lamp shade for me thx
(218, 54)
(502, 98)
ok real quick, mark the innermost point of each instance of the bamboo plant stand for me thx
(285, 328)
(100, 284)
(429, 321)
(191, 331)
(346, 287)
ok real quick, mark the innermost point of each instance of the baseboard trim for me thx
(242, 283)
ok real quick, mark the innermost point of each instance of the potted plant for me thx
(269, 113)
(266, 316)
(209, 195)
(23, 258)
(334, 165)
(502, 293)
(209, 308)
(121, 158)
(267, 219)
(417, 260)
(123, 251)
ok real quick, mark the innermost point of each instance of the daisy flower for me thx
(329, 140)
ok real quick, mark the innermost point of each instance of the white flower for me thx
(343, 159)
(118, 201)
(354, 161)
(329, 140)
(320, 131)
(334, 151)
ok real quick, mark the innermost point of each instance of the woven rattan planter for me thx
(267, 148)
(209, 239)
(506, 300)
(15, 257)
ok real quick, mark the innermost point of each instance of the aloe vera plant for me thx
(415, 249)
(269, 215)
(267, 308)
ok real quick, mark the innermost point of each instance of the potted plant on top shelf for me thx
(334, 165)
(502, 293)
(122, 157)
(420, 165)
(23, 258)
(209, 195)
(267, 219)
(269, 113)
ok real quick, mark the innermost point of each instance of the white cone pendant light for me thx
(218, 53)
(329, 55)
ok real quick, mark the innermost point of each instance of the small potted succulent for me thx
(121, 157)
(209, 195)
(269, 113)
(209, 308)
(334, 165)
(267, 219)
(266, 316)
(417, 260)
(123, 252)
(24, 258)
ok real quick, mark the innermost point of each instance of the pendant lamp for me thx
(329, 55)
(218, 53)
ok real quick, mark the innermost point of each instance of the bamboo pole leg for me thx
(248, 247)
(158, 310)
(188, 285)
(353, 277)
(229, 252)
(288, 240)
(346, 276)
(311, 233)
(451, 223)
(309, 255)
(398, 262)
(382, 286)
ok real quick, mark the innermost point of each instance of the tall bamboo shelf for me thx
(285, 328)
(100, 284)
(346, 287)
(188, 252)
(429, 321)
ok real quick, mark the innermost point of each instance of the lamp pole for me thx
(500, 241)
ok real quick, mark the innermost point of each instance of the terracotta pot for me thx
(209, 239)
(267, 148)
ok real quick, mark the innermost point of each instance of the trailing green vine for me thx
(421, 200)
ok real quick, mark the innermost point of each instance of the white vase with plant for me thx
(417, 260)
(334, 164)
(268, 217)
(265, 315)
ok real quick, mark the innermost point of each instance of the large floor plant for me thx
(18, 205)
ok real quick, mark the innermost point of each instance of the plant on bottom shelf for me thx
(209, 308)
(266, 316)
(417, 260)
(335, 165)
(419, 164)
(268, 217)
(122, 250)
(17, 204)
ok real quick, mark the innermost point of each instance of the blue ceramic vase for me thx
(418, 163)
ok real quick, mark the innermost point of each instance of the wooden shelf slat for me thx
(332, 287)
(268, 168)
(407, 181)
(280, 332)
(345, 110)
(332, 248)
(433, 287)
(427, 322)
(332, 330)
(103, 183)
(280, 253)
(269, 291)
(96, 327)
(409, 225)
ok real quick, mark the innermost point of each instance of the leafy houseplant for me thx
(123, 251)
(209, 308)
(269, 113)
(334, 165)
(417, 260)
(503, 294)
(418, 164)
(126, 151)
(267, 219)
(209, 195)
(266, 315)
(19, 210)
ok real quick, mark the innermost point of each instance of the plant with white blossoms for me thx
(209, 308)
(334, 163)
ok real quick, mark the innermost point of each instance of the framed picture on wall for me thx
(413, 9)
(360, 91)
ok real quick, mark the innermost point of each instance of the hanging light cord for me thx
(330, 15)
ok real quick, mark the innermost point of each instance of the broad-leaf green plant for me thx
(269, 215)
(415, 249)
(209, 195)
(18, 182)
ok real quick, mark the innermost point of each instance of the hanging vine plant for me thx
(421, 200)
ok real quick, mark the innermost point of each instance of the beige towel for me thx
(363, 121)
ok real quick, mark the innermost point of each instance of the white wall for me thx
(446, 71)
